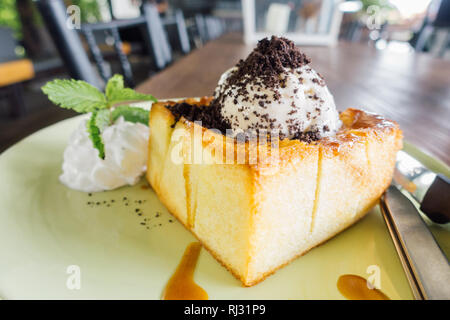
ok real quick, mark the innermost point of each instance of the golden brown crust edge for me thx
(358, 127)
(271, 272)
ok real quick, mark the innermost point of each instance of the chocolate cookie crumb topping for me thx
(211, 119)
(209, 115)
(267, 61)
(260, 95)
(308, 137)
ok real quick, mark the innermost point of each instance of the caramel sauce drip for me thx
(358, 119)
(181, 285)
(355, 288)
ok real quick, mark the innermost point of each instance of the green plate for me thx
(45, 228)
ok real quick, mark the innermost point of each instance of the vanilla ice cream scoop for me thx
(124, 163)
(276, 91)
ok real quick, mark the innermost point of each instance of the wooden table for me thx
(412, 89)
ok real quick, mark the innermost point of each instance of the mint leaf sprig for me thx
(95, 134)
(82, 97)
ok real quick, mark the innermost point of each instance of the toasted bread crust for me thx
(340, 178)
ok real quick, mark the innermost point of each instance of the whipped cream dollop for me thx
(275, 90)
(125, 157)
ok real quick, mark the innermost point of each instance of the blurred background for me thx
(93, 39)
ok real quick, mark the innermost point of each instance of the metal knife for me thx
(425, 265)
(431, 190)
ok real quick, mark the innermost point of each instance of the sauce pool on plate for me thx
(356, 288)
(181, 285)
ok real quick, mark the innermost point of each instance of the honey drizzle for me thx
(181, 285)
(354, 287)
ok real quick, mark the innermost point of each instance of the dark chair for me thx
(208, 27)
(70, 47)
(436, 22)
(200, 24)
(175, 26)
(9, 44)
(203, 25)
(214, 27)
(13, 71)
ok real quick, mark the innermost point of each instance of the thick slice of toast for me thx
(259, 213)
